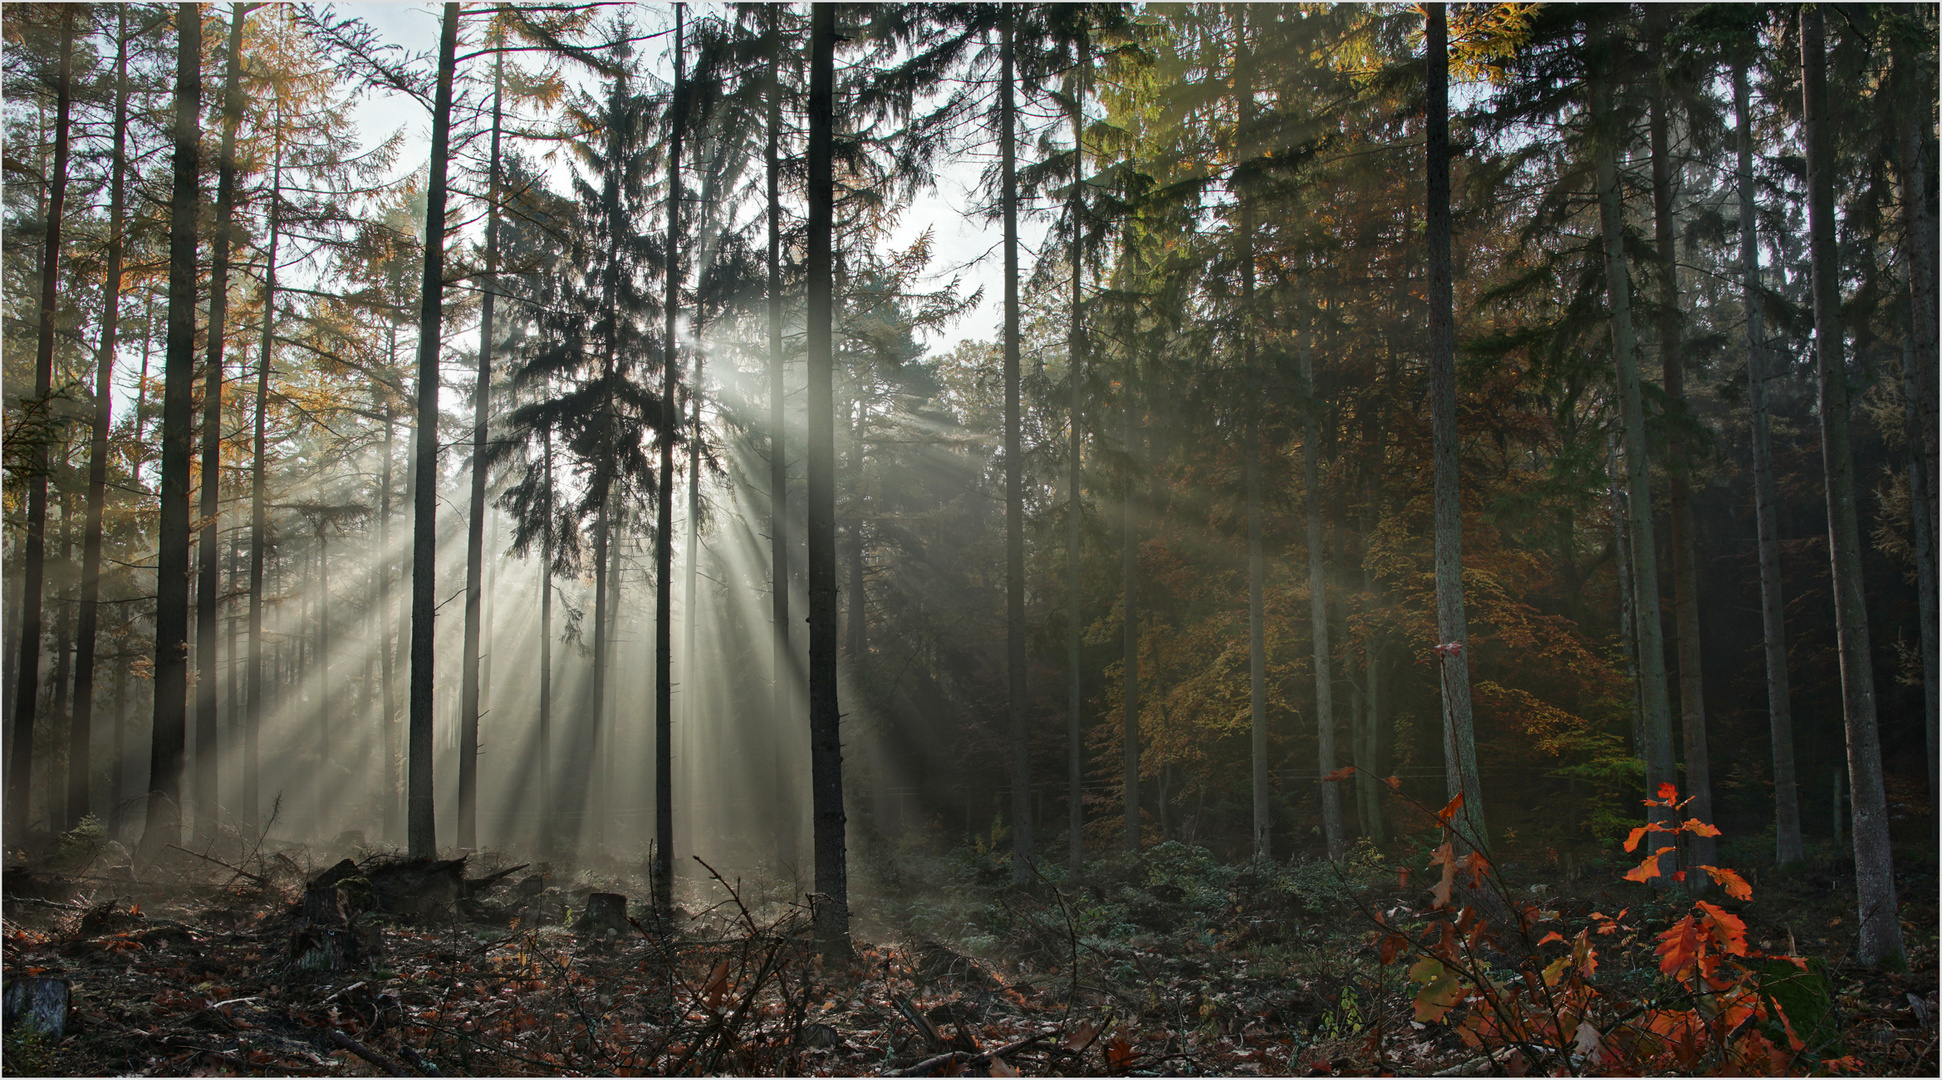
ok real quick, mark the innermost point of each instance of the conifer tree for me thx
(164, 825)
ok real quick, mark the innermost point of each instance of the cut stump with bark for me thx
(606, 914)
(38, 1006)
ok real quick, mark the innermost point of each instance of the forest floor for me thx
(1168, 963)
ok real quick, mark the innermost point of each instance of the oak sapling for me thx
(1716, 1010)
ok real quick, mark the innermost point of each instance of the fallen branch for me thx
(966, 1058)
(417, 1061)
(390, 1067)
(234, 1061)
(258, 878)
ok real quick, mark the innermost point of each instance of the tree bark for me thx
(164, 824)
(388, 699)
(781, 685)
(468, 811)
(208, 547)
(1881, 931)
(1129, 692)
(256, 700)
(1459, 737)
(1645, 570)
(1788, 850)
(318, 786)
(1251, 471)
(663, 869)
(548, 827)
(20, 771)
(1915, 96)
(1076, 363)
(857, 631)
(421, 816)
(81, 729)
(1021, 758)
(825, 743)
(63, 657)
(1698, 783)
(1331, 793)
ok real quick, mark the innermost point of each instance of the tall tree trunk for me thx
(1788, 850)
(548, 833)
(256, 702)
(1914, 97)
(20, 771)
(421, 817)
(856, 633)
(1129, 552)
(81, 729)
(663, 869)
(164, 824)
(1331, 793)
(1881, 929)
(607, 719)
(691, 678)
(1645, 570)
(825, 742)
(1679, 517)
(1075, 748)
(208, 548)
(1257, 648)
(387, 673)
(63, 655)
(1459, 736)
(1021, 758)
(781, 686)
(590, 767)
(319, 788)
(475, 521)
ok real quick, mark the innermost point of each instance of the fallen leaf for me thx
(717, 987)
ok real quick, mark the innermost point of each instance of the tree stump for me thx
(38, 1006)
(606, 914)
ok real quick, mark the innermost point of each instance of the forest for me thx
(970, 539)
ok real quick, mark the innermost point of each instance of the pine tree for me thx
(825, 743)
(1880, 917)
(421, 830)
(208, 551)
(81, 729)
(27, 675)
(172, 561)
(1459, 736)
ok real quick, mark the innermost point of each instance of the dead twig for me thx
(390, 1067)
(417, 1061)
(258, 878)
(966, 1058)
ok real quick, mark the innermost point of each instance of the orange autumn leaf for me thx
(1395, 782)
(1448, 812)
(1699, 828)
(1440, 892)
(1549, 938)
(1339, 775)
(1727, 930)
(1680, 946)
(1648, 869)
(1735, 885)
